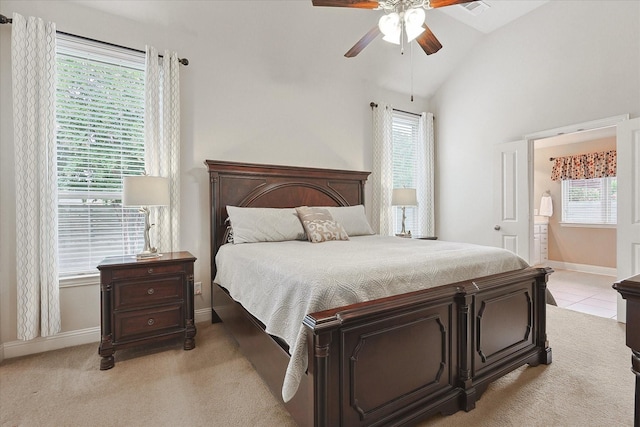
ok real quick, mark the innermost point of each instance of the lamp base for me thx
(148, 255)
(407, 234)
(147, 252)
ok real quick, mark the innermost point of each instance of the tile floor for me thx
(588, 293)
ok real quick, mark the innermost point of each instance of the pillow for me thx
(320, 225)
(252, 225)
(352, 218)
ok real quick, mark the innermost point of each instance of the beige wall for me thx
(576, 245)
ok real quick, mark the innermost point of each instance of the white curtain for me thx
(425, 178)
(162, 140)
(33, 73)
(382, 173)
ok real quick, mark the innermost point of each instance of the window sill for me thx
(584, 225)
(85, 280)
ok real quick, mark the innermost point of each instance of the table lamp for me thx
(404, 197)
(145, 191)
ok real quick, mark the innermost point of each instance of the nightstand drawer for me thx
(148, 292)
(146, 271)
(139, 323)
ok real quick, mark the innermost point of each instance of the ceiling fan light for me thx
(389, 24)
(413, 20)
(392, 38)
(413, 33)
(390, 27)
(414, 16)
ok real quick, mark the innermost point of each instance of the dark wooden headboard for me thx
(255, 185)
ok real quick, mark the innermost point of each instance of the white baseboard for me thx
(202, 315)
(583, 268)
(38, 345)
(18, 348)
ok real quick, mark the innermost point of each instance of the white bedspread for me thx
(281, 282)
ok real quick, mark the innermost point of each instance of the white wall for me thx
(567, 62)
(261, 87)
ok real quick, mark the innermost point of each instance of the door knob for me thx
(497, 227)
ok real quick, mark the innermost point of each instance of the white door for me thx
(628, 235)
(512, 228)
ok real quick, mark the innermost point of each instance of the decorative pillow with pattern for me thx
(320, 225)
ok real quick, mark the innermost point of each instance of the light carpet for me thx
(589, 383)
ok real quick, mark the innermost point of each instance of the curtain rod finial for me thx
(373, 105)
(5, 20)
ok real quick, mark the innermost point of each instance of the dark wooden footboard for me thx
(403, 358)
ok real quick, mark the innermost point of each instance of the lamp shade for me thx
(145, 190)
(404, 197)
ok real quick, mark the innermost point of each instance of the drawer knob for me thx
(150, 270)
(150, 322)
(150, 291)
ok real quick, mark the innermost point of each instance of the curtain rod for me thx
(374, 105)
(551, 159)
(407, 112)
(183, 61)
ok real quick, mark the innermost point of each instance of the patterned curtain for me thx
(425, 179)
(585, 166)
(382, 173)
(33, 74)
(162, 140)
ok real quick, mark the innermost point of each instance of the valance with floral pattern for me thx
(585, 166)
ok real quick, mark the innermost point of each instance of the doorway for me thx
(584, 272)
(514, 196)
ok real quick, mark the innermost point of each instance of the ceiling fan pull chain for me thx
(411, 70)
(401, 38)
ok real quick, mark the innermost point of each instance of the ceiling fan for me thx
(401, 17)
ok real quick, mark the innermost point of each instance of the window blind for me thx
(590, 201)
(405, 155)
(100, 139)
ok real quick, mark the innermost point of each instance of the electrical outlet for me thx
(197, 288)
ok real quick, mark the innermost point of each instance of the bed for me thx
(392, 360)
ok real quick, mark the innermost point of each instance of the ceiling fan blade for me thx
(360, 4)
(428, 41)
(442, 3)
(363, 42)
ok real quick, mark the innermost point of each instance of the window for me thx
(100, 138)
(405, 154)
(590, 201)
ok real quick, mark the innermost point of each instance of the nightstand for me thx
(426, 237)
(145, 301)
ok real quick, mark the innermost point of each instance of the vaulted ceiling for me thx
(326, 33)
